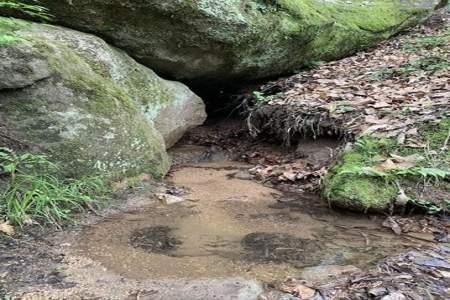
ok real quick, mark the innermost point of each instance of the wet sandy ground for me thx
(229, 227)
(226, 240)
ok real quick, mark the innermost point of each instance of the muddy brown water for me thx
(229, 227)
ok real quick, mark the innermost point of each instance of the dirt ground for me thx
(235, 235)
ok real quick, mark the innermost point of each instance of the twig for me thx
(415, 238)
(444, 147)
(366, 237)
(92, 209)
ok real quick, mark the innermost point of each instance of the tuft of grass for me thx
(261, 98)
(8, 26)
(372, 149)
(424, 42)
(430, 64)
(33, 10)
(34, 193)
(358, 182)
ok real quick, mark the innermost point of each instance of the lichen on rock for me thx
(88, 105)
(233, 40)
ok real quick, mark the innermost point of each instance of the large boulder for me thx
(88, 105)
(223, 40)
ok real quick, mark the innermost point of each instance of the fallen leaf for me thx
(392, 224)
(412, 131)
(444, 274)
(303, 291)
(386, 166)
(402, 199)
(7, 229)
(412, 159)
(399, 162)
(394, 296)
(381, 104)
(168, 199)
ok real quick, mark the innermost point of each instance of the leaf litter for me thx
(390, 91)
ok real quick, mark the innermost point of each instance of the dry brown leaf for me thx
(373, 119)
(289, 175)
(411, 159)
(374, 128)
(6, 228)
(381, 104)
(297, 288)
(399, 162)
(303, 291)
(392, 224)
(386, 166)
(391, 106)
(412, 131)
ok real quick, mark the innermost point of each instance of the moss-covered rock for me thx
(87, 104)
(357, 192)
(357, 182)
(235, 39)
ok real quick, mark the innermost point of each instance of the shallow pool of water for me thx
(229, 227)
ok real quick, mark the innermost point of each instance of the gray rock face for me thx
(87, 104)
(223, 40)
(211, 289)
(184, 113)
(20, 68)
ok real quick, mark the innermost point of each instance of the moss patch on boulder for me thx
(357, 192)
(94, 109)
(234, 39)
(8, 27)
(357, 181)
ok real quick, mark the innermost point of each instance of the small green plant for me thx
(374, 150)
(429, 64)
(392, 166)
(35, 194)
(313, 64)
(389, 73)
(32, 10)
(261, 98)
(395, 174)
(428, 42)
(264, 6)
(431, 207)
(371, 147)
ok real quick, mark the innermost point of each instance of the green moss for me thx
(365, 191)
(300, 32)
(436, 135)
(90, 122)
(360, 193)
(8, 28)
(234, 39)
(349, 27)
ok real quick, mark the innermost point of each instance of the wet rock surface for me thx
(280, 247)
(414, 275)
(156, 239)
